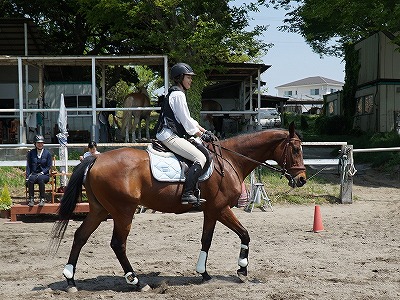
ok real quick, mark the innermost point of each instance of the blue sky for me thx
(291, 58)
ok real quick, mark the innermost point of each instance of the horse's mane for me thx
(245, 136)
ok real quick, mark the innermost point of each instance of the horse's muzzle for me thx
(297, 181)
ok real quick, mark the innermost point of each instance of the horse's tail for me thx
(68, 202)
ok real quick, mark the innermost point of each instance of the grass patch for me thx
(318, 190)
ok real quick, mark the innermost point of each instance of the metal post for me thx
(347, 172)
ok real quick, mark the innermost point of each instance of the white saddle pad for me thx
(166, 167)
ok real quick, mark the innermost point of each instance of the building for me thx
(307, 93)
(378, 86)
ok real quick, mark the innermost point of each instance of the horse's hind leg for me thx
(136, 126)
(122, 226)
(82, 234)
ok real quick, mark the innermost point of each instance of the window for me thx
(331, 108)
(314, 92)
(359, 106)
(288, 93)
(365, 105)
(368, 104)
(78, 101)
(333, 90)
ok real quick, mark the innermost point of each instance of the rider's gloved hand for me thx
(207, 136)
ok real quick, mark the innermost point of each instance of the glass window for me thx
(314, 92)
(359, 107)
(331, 108)
(78, 101)
(288, 93)
(368, 104)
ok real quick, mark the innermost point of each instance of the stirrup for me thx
(193, 198)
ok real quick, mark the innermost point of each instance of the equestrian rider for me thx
(176, 125)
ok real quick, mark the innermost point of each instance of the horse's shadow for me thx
(157, 283)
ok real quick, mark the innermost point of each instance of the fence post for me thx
(346, 176)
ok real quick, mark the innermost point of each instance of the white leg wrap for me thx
(68, 271)
(243, 262)
(201, 262)
(130, 279)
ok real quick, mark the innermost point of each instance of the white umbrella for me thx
(62, 137)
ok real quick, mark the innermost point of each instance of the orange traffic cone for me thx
(317, 220)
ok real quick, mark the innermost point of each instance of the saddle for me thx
(168, 167)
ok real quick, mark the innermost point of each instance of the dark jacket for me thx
(35, 165)
(167, 116)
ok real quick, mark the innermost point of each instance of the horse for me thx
(216, 122)
(138, 99)
(120, 180)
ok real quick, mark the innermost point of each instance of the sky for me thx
(290, 58)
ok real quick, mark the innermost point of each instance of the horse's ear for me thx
(291, 129)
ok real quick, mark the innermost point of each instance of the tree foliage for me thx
(201, 33)
(330, 24)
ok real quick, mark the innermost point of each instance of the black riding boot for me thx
(192, 177)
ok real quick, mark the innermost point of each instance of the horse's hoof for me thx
(242, 274)
(71, 289)
(242, 278)
(144, 288)
(206, 277)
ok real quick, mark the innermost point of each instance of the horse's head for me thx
(292, 159)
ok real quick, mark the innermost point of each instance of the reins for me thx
(283, 171)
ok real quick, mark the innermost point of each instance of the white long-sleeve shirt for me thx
(178, 104)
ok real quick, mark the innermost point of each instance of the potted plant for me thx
(5, 203)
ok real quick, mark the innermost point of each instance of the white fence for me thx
(344, 162)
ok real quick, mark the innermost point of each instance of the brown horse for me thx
(139, 99)
(119, 180)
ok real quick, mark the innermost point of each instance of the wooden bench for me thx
(52, 188)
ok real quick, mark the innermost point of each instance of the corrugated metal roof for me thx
(311, 81)
(12, 37)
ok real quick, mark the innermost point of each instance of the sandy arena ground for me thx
(356, 257)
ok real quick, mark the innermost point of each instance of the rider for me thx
(38, 164)
(176, 125)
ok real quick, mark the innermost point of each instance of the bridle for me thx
(283, 170)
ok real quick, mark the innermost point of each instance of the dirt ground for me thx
(357, 256)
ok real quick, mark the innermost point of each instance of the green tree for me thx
(332, 27)
(330, 24)
(201, 33)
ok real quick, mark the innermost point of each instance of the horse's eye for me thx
(296, 150)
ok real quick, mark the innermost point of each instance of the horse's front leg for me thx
(229, 219)
(206, 239)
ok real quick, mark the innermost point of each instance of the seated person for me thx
(38, 164)
(92, 150)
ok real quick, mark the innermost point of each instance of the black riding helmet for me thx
(38, 139)
(180, 69)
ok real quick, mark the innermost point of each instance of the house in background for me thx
(378, 86)
(307, 93)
